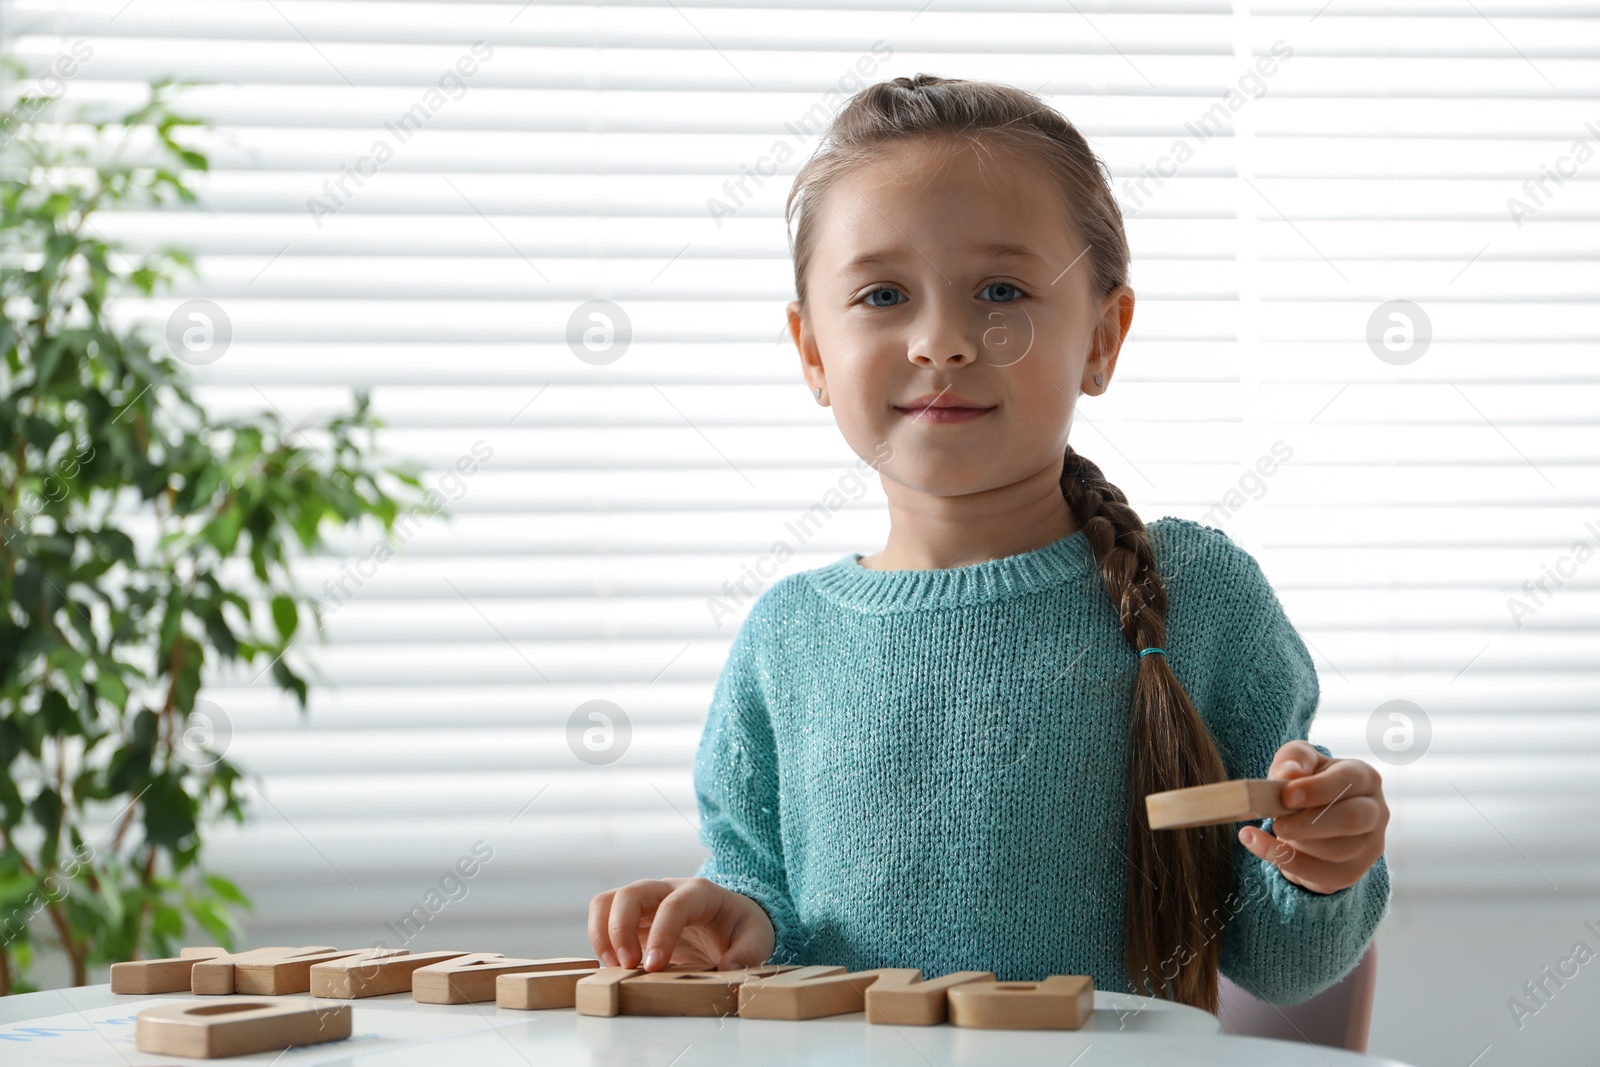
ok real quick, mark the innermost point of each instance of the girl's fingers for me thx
(1335, 849)
(685, 904)
(729, 931)
(1338, 780)
(1296, 759)
(746, 948)
(1349, 817)
(630, 902)
(1301, 868)
(599, 935)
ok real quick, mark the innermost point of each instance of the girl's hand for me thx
(1337, 831)
(687, 920)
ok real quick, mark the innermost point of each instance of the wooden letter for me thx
(177, 974)
(290, 972)
(687, 990)
(540, 989)
(470, 979)
(215, 977)
(170, 975)
(354, 977)
(596, 994)
(807, 993)
(1060, 1002)
(238, 1027)
(681, 989)
(902, 998)
(1240, 800)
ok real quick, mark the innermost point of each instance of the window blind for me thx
(1419, 480)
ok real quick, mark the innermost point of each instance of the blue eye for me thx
(1006, 285)
(871, 303)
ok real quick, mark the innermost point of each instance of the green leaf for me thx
(227, 890)
(14, 890)
(219, 631)
(170, 623)
(169, 813)
(167, 921)
(222, 532)
(290, 681)
(285, 615)
(11, 806)
(129, 765)
(109, 684)
(46, 809)
(210, 918)
(145, 726)
(41, 433)
(58, 717)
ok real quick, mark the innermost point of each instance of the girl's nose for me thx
(945, 336)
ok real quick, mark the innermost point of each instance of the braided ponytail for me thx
(1179, 877)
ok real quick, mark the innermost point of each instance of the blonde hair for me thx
(1177, 880)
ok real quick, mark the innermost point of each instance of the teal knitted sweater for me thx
(929, 768)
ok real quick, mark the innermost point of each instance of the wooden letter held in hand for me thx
(902, 998)
(238, 1027)
(470, 979)
(354, 977)
(1060, 1002)
(1240, 800)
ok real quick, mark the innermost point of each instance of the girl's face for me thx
(951, 275)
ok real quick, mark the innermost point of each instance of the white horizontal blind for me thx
(1406, 501)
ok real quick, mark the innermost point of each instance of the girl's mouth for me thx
(943, 414)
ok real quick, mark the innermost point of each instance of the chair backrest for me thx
(1339, 1016)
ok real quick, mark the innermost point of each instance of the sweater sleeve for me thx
(1283, 943)
(736, 788)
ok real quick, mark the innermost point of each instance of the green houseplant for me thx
(143, 542)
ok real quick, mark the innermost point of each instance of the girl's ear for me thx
(805, 344)
(1116, 318)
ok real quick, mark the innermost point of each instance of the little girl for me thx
(937, 756)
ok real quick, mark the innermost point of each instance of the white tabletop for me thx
(91, 1025)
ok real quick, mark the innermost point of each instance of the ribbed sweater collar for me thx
(876, 592)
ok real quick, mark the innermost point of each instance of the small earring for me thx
(1097, 380)
(818, 392)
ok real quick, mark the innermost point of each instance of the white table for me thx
(90, 1025)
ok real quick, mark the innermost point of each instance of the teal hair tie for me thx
(1146, 651)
